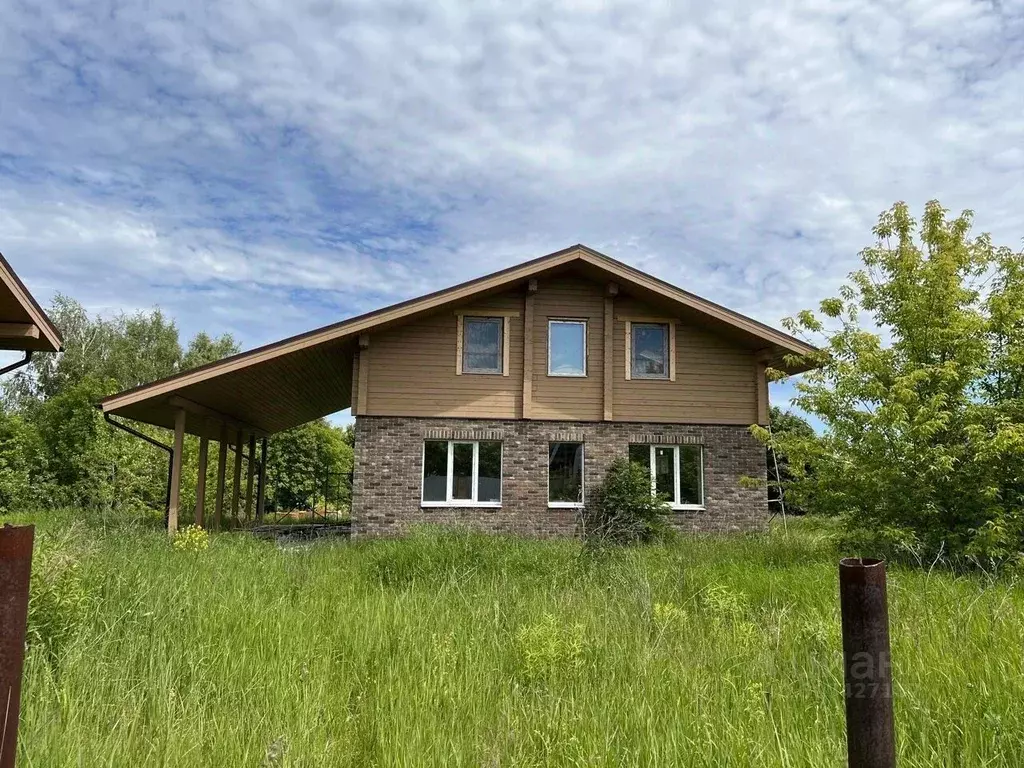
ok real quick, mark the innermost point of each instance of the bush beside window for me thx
(623, 510)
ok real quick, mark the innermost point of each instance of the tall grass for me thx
(466, 650)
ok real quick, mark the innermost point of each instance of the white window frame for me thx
(449, 501)
(502, 345)
(586, 330)
(583, 478)
(674, 501)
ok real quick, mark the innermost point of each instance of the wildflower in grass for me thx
(747, 633)
(818, 632)
(755, 702)
(275, 752)
(729, 611)
(60, 594)
(727, 603)
(548, 647)
(445, 650)
(191, 539)
(993, 722)
(668, 616)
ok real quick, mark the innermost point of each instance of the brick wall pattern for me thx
(388, 465)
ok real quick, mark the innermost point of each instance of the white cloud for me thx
(324, 159)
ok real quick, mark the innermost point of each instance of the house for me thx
(501, 402)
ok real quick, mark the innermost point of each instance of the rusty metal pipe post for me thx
(15, 569)
(870, 741)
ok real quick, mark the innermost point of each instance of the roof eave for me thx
(49, 334)
(403, 310)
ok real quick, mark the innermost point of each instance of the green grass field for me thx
(458, 650)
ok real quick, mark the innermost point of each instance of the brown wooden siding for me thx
(412, 368)
(715, 382)
(563, 397)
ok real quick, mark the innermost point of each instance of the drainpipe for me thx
(170, 457)
(13, 366)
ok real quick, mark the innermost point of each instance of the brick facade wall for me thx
(388, 466)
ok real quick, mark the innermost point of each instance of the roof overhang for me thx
(23, 323)
(304, 377)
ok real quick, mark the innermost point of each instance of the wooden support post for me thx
(204, 450)
(531, 289)
(222, 465)
(252, 475)
(179, 447)
(364, 372)
(261, 493)
(236, 484)
(354, 399)
(761, 384)
(609, 352)
(762, 360)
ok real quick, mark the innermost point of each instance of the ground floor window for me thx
(461, 473)
(677, 472)
(565, 474)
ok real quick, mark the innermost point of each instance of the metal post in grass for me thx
(870, 741)
(15, 569)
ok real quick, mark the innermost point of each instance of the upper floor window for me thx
(567, 348)
(482, 339)
(649, 352)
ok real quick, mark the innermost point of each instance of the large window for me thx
(565, 474)
(677, 472)
(567, 348)
(649, 351)
(461, 473)
(482, 339)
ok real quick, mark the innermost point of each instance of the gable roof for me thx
(292, 381)
(23, 323)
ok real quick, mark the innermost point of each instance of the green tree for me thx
(204, 349)
(23, 466)
(54, 445)
(786, 427)
(923, 441)
(349, 435)
(306, 462)
(122, 352)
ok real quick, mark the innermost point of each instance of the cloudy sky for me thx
(270, 166)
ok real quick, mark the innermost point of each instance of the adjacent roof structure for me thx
(298, 379)
(23, 323)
